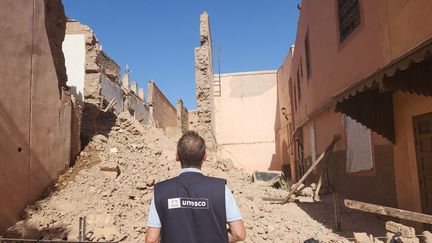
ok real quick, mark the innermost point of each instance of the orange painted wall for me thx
(284, 119)
(388, 29)
(35, 116)
(334, 65)
(406, 106)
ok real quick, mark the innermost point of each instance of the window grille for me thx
(298, 86)
(308, 56)
(349, 17)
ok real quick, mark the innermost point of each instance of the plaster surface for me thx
(245, 117)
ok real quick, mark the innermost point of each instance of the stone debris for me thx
(405, 231)
(427, 237)
(116, 207)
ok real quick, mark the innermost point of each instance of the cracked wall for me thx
(99, 84)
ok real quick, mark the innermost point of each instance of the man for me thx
(192, 207)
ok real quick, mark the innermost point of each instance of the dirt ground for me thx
(116, 202)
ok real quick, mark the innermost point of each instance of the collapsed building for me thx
(95, 80)
(71, 92)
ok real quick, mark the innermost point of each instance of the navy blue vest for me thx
(191, 208)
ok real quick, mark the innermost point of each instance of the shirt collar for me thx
(190, 170)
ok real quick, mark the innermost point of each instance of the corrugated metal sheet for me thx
(412, 64)
(369, 101)
(372, 109)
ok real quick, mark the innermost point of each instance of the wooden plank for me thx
(388, 211)
(325, 154)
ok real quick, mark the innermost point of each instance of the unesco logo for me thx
(183, 202)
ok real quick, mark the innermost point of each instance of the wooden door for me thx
(423, 143)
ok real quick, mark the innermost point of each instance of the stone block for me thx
(111, 169)
(427, 237)
(362, 238)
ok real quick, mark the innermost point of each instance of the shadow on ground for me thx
(350, 220)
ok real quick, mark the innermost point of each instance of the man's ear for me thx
(177, 157)
(205, 157)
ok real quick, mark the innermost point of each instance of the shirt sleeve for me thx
(232, 211)
(153, 217)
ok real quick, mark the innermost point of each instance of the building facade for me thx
(360, 69)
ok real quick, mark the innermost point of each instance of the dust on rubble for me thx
(116, 199)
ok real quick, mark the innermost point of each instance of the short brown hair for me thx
(191, 149)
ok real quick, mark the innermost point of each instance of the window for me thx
(298, 86)
(349, 17)
(307, 54)
(301, 68)
(295, 97)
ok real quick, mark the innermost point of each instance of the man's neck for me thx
(191, 167)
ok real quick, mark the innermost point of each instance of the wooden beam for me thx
(325, 154)
(388, 211)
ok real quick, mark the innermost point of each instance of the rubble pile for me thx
(112, 182)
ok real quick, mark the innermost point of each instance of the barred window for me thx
(295, 94)
(301, 68)
(349, 17)
(308, 57)
(298, 86)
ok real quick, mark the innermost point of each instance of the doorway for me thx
(423, 145)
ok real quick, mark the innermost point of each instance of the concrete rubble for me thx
(112, 182)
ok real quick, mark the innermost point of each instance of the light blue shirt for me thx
(232, 211)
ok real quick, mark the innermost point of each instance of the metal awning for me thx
(369, 101)
(399, 74)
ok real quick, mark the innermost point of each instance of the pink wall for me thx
(245, 117)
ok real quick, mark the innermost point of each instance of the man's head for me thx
(191, 150)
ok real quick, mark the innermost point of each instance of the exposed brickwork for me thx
(204, 81)
(182, 117)
(162, 112)
(98, 65)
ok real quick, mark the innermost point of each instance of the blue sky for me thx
(157, 37)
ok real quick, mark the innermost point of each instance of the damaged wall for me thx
(33, 105)
(182, 117)
(134, 101)
(204, 83)
(101, 83)
(163, 113)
